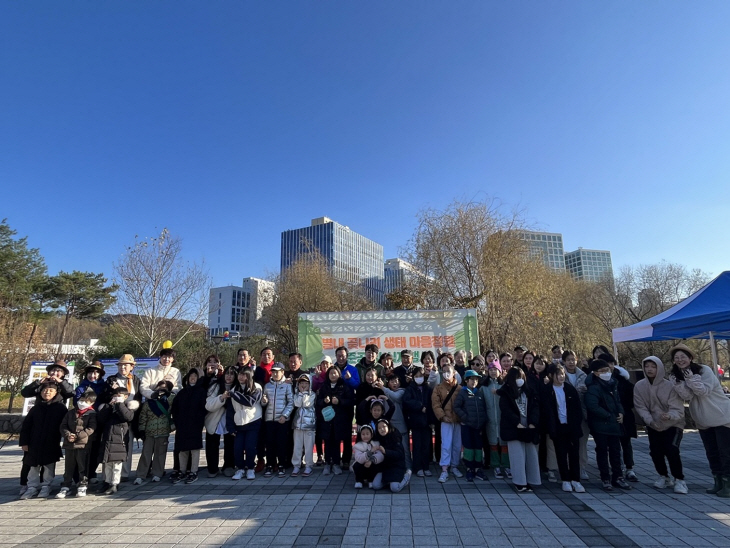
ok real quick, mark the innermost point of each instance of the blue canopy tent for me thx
(703, 315)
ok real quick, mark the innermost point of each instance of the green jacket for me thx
(152, 425)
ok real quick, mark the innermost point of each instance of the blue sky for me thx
(229, 122)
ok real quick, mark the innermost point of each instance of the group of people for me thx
(520, 414)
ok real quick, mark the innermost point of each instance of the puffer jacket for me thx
(491, 399)
(603, 405)
(280, 400)
(653, 399)
(82, 426)
(440, 393)
(115, 418)
(471, 407)
(246, 406)
(215, 408)
(154, 425)
(305, 413)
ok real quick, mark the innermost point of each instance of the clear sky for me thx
(230, 121)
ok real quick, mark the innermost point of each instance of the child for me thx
(334, 418)
(39, 438)
(304, 424)
(367, 457)
(605, 418)
(519, 408)
(563, 417)
(155, 425)
(244, 418)
(278, 401)
(472, 411)
(115, 418)
(419, 416)
(395, 392)
(662, 411)
(78, 429)
(93, 380)
(442, 401)
(392, 471)
(498, 454)
(188, 413)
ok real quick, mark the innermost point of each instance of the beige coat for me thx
(653, 399)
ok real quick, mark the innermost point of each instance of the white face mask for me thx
(419, 380)
(448, 375)
(605, 376)
(83, 405)
(520, 382)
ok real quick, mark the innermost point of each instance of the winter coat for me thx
(574, 410)
(510, 415)
(439, 395)
(98, 387)
(245, 407)
(215, 408)
(152, 377)
(340, 427)
(156, 424)
(353, 381)
(82, 426)
(305, 413)
(366, 451)
(41, 431)
(362, 410)
(603, 405)
(580, 380)
(394, 463)
(626, 395)
(494, 415)
(708, 404)
(188, 413)
(362, 368)
(397, 418)
(653, 399)
(415, 399)
(471, 407)
(33, 390)
(136, 395)
(113, 422)
(280, 401)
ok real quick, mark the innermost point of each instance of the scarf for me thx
(82, 412)
(160, 407)
(267, 370)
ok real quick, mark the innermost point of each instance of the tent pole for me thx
(713, 349)
(615, 351)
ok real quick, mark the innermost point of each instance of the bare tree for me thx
(161, 296)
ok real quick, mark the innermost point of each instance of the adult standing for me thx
(710, 410)
(164, 371)
(261, 376)
(133, 384)
(442, 402)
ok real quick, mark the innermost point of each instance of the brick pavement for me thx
(327, 510)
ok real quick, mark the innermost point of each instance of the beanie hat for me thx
(495, 365)
(597, 364)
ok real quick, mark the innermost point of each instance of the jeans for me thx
(245, 444)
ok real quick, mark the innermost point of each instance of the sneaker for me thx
(307, 472)
(177, 479)
(327, 470)
(508, 473)
(295, 472)
(282, 472)
(444, 476)
(81, 491)
(457, 473)
(229, 472)
(192, 477)
(567, 487)
(269, 472)
(138, 481)
(23, 489)
(662, 482)
(420, 474)
(157, 478)
(680, 487)
(584, 475)
(498, 473)
(631, 475)
(45, 492)
(481, 475)
(578, 487)
(29, 494)
(621, 484)
(524, 489)
(358, 485)
(407, 476)
(320, 461)
(111, 490)
(552, 476)
(427, 473)
(469, 476)
(250, 475)
(62, 493)
(336, 470)
(212, 474)
(607, 485)
(238, 475)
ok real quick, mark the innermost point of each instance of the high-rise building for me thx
(397, 272)
(238, 309)
(547, 246)
(353, 258)
(590, 265)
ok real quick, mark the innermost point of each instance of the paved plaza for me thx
(327, 510)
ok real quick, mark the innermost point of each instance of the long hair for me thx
(679, 375)
(511, 380)
(248, 384)
(221, 382)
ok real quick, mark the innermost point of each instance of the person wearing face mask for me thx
(519, 408)
(419, 418)
(442, 402)
(188, 413)
(77, 430)
(605, 419)
(155, 425)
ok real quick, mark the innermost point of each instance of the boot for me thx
(725, 491)
(715, 489)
